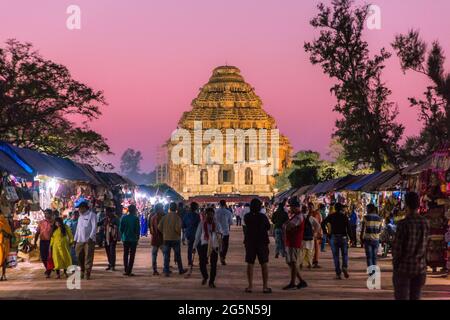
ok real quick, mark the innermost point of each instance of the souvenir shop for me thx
(32, 181)
(431, 180)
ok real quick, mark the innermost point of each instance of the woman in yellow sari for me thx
(5, 242)
(60, 244)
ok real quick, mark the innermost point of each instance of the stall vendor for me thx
(5, 241)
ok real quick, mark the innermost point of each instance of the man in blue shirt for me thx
(190, 224)
(224, 219)
(353, 226)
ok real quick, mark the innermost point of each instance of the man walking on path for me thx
(311, 229)
(256, 240)
(370, 234)
(340, 233)
(181, 213)
(224, 219)
(293, 235)
(318, 235)
(111, 229)
(279, 218)
(130, 231)
(85, 239)
(353, 226)
(44, 234)
(170, 226)
(409, 252)
(190, 224)
(323, 214)
(238, 214)
(157, 236)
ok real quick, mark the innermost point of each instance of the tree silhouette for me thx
(367, 128)
(434, 109)
(37, 98)
(130, 162)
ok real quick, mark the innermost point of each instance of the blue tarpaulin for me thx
(324, 187)
(51, 166)
(373, 184)
(7, 164)
(364, 180)
(332, 185)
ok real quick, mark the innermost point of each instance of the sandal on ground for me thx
(248, 290)
(267, 290)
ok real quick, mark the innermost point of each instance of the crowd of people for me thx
(301, 231)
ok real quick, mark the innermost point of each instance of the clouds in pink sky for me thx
(151, 57)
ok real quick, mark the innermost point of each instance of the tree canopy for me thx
(367, 127)
(434, 108)
(39, 102)
(130, 166)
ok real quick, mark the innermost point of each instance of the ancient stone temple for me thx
(243, 164)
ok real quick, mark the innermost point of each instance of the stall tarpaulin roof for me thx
(110, 179)
(281, 194)
(290, 192)
(364, 180)
(113, 179)
(391, 184)
(160, 190)
(374, 183)
(10, 166)
(418, 168)
(128, 181)
(318, 188)
(345, 181)
(94, 178)
(315, 187)
(303, 190)
(284, 194)
(52, 166)
(331, 185)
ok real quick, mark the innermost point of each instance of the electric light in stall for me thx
(152, 200)
(53, 186)
(140, 195)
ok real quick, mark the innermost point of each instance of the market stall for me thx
(33, 181)
(430, 180)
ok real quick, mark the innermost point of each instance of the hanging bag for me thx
(11, 194)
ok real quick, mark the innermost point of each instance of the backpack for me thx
(308, 232)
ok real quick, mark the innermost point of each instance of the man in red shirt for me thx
(293, 235)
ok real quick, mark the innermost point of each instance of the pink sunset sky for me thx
(151, 57)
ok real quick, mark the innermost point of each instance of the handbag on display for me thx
(11, 260)
(19, 192)
(35, 207)
(35, 196)
(11, 194)
(26, 194)
(5, 206)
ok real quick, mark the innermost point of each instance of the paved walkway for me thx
(28, 282)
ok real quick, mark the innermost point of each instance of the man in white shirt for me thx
(224, 219)
(85, 239)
